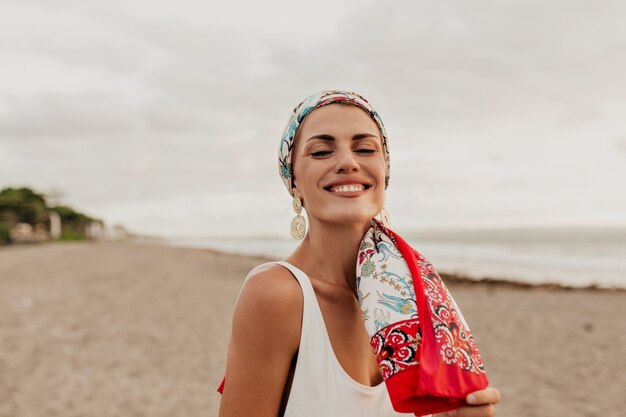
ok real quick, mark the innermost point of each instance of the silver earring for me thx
(384, 217)
(298, 223)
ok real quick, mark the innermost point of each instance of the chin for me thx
(345, 216)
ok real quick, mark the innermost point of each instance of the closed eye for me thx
(322, 153)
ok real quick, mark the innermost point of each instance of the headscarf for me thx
(312, 102)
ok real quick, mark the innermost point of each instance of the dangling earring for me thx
(298, 223)
(384, 217)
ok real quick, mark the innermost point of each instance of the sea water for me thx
(571, 256)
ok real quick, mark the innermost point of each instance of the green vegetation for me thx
(23, 205)
(74, 223)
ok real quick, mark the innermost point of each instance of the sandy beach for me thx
(141, 329)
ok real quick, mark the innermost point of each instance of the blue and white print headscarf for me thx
(313, 102)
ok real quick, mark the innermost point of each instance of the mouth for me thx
(347, 190)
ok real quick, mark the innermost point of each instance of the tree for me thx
(23, 205)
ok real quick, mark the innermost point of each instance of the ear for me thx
(297, 193)
(294, 188)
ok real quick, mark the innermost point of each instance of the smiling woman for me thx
(313, 334)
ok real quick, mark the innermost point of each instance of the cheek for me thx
(304, 173)
(381, 170)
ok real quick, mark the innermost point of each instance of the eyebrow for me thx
(331, 138)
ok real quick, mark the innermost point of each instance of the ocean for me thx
(570, 256)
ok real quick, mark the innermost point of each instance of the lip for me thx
(348, 194)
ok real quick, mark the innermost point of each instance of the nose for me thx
(346, 162)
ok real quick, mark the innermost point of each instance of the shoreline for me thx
(451, 278)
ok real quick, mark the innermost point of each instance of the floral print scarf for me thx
(422, 343)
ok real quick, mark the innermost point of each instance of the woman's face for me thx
(337, 145)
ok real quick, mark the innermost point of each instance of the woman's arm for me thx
(265, 337)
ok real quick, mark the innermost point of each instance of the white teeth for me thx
(347, 188)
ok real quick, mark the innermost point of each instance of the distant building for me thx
(22, 233)
(118, 232)
(55, 225)
(95, 230)
(26, 233)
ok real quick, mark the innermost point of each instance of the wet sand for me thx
(141, 329)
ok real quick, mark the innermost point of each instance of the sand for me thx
(141, 329)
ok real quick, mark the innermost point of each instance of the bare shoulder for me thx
(270, 299)
(273, 274)
(272, 283)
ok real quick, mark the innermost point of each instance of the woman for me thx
(298, 346)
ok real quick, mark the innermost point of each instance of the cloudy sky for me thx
(166, 116)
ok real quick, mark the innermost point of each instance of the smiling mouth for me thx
(347, 188)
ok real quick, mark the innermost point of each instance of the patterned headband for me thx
(303, 109)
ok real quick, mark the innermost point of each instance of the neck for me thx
(329, 252)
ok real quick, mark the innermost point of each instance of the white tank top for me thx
(321, 387)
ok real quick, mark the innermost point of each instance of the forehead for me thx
(338, 118)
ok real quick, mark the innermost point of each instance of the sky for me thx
(166, 116)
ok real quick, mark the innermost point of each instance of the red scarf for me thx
(423, 345)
